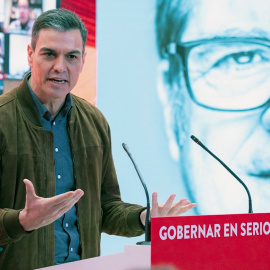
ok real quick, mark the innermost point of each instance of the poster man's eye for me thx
(231, 73)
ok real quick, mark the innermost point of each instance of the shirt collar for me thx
(43, 111)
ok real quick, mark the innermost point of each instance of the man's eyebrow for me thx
(74, 52)
(237, 32)
(45, 49)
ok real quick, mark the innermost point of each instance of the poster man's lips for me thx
(263, 174)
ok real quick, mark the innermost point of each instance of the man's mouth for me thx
(61, 81)
(265, 174)
(258, 168)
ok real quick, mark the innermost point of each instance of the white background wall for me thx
(127, 96)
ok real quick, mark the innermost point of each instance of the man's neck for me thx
(53, 107)
(52, 104)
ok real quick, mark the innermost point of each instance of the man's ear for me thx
(166, 97)
(83, 58)
(30, 53)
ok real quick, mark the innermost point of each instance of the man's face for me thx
(56, 63)
(23, 10)
(240, 139)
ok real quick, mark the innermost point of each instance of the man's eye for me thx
(72, 56)
(240, 58)
(243, 57)
(48, 54)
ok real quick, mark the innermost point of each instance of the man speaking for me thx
(58, 186)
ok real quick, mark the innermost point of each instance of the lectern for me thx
(238, 241)
(133, 258)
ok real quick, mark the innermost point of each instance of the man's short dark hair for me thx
(171, 19)
(61, 20)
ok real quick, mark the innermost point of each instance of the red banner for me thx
(211, 242)
(86, 10)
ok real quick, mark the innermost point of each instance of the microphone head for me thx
(194, 139)
(125, 146)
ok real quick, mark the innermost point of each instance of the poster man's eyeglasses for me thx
(227, 74)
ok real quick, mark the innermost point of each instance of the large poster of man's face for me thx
(172, 69)
(216, 63)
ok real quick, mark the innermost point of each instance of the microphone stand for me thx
(227, 168)
(148, 218)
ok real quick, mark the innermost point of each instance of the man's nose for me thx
(60, 64)
(265, 118)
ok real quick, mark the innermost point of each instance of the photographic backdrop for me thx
(127, 96)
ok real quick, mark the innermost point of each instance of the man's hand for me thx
(167, 209)
(39, 212)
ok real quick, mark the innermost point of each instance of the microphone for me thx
(226, 167)
(147, 219)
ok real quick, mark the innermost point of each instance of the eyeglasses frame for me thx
(183, 50)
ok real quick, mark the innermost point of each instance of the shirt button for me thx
(66, 224)
(58, 176)
(54, 123)
(71, 249)
(56, 149)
